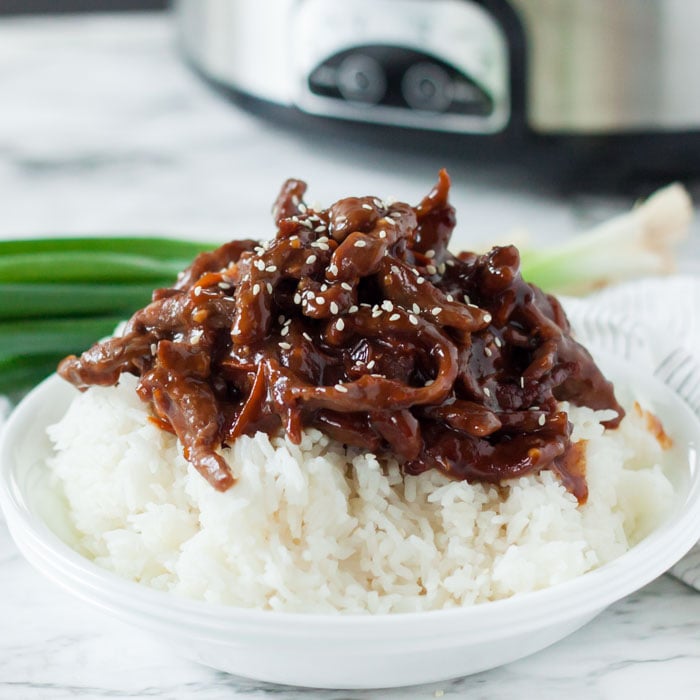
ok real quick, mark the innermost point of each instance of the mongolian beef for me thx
(358, 321)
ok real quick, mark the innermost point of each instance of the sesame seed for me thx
(430, 253)
(297, 298)
(340, 324)
(341, 388)
(413, 319)
(154, 348)
(306, 224)
(307, 336)
(320, 300)
(449, 297)
(353, 309)
(420, 280)
(285, 346)
(441, 268)
(387, 306)
(450, 263)
(498, 342)
(467, 300)
(488, 352)
(382, 234)
(368, 207)
(294, 238)
(197, 291)
(487, 391)
(415, 271)
(487, 318)
(224, 285)
(260, 265)
(436, 311)
(268, 286)
(271, 268)
(347, 287)
(256, 288)
(301, 207)
(522, 382)
(542, 420)
(324, 287)
(376, 313)
(430, 382)
(431, 269)
(288, 322)
(284, 331)
(360, 244)
(394, 317)
(333, 269)
(370, 364)
(416, 308)
(281, 319)
(334, 307)
(320, 228)
(311, 260)
(323, 246)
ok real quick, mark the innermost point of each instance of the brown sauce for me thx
(357, 320)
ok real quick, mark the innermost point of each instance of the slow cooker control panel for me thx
(439, 65)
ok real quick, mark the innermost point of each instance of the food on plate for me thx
(351, 418)
(358, 321)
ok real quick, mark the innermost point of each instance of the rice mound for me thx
(320, 528)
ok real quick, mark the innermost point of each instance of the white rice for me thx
(318, 528)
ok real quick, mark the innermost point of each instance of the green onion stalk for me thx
(60, 295)
(639, 243)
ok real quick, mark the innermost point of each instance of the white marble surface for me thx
(103, 130)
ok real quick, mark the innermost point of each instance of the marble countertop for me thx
(102, 130)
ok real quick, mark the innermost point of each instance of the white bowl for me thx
(339, 651)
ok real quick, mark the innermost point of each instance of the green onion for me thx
(87, 267)
(62, 335)
(641, 242)
(18, 374)
(58, 296)
(26, 300)
(157, 248)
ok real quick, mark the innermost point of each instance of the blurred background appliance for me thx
(571, 86)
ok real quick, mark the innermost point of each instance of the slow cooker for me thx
(610, 83)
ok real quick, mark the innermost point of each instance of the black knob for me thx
(361, 79)
(428, 87)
